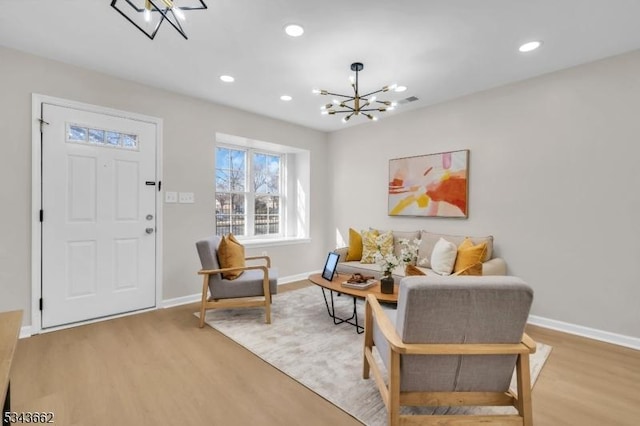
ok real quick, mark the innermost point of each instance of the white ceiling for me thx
(439, 49)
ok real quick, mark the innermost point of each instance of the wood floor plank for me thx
(159, 368)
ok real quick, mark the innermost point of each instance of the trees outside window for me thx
(249, 194)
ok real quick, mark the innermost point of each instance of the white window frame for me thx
(250, 194)
(295, 186)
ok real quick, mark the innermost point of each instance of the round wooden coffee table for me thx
(335, 286)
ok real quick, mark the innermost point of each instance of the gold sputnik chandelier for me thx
(148, 15)
(356, 104)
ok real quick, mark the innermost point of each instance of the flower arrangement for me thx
(387, 263)
(409, 251)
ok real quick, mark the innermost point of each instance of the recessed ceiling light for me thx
(294, 30)
(401, 88)
(285, 98)
(528, 47)
(227, 78)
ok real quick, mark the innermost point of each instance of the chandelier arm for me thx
(372, 93)
(344, 111)
(373, 109)
(178, 27)
(342, 96)
(348, 109)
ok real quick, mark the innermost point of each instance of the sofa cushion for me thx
(369, 246)
(355, 245)
(469, 255)
(231, 255)
(428, 240)
(443, 257)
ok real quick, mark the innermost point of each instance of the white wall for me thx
(190, 126)
(553, 176)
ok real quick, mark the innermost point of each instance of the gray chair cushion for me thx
(246, 285)
(469, 309)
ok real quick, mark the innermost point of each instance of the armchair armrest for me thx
(374, 309)
(267, 258)
(495, 266)
(238, 268)
(529, 342)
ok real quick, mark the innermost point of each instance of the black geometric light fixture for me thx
(148, 15)
(357, 104)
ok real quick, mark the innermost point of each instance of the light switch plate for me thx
(170, 197)
(186, 197)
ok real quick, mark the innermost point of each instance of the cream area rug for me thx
(303, 343)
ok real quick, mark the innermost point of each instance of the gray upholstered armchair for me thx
(253, 288)
(453, 341)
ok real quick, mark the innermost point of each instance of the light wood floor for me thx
(159, 368)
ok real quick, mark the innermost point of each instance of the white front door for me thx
(99, 219)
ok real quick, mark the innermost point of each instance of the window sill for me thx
(257, 243)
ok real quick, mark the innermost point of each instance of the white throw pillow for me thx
(443, 257)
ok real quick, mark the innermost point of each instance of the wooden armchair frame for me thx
(241, 302)
(393, 398)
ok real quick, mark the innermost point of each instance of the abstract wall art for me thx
(434, 185)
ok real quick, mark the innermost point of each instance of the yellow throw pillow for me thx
(469, 254)
(369, 246)
(385, 241)
(475, 269)
(411, 270)
(355, 246)
(231, 255)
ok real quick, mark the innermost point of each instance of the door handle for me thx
(149, 230)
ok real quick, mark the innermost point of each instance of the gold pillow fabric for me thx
(475, 269)
(411, 270)
(231, 255)
(369, 246)
(469, 254)
(355, 246)
(385, 241)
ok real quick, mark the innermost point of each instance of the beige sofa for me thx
(490, 265)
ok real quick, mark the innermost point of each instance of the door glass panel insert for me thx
(76, 133)
(80, 134)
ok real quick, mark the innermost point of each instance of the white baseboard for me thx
(193, 298)
(178, 301)
(591, 333)
(25, 331)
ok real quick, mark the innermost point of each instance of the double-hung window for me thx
(249, 192)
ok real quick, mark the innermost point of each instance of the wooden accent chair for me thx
(453, 341)
(253, 288)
